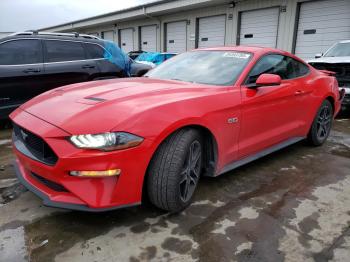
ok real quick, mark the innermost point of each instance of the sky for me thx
(19, 15)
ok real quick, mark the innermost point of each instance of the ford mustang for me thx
(104, 145)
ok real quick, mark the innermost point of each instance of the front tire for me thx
(175, 170)
(322, 124)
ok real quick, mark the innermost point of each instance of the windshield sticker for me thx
(236, 55)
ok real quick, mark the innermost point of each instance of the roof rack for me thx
(74, 34)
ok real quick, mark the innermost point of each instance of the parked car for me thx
(134, 54)
(138, 69)
(337, 59)
(34, 62)
(99, 146)
(153, 58)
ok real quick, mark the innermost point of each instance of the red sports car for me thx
(100, 145)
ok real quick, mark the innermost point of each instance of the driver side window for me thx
(269, 64)
(284, 66)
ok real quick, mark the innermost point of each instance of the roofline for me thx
(139, 8)
(133, 8)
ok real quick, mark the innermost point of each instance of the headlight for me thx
(106, 141)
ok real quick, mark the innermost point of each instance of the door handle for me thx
(88, 66)
(299, 92)
(32, 70)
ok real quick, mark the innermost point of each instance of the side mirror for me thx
(267, 80)
(319, 55)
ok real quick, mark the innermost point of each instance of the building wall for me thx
(4, 34)
(286, 26)
(190, 16)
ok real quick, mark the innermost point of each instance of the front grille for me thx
(35, 145)
(50, 184)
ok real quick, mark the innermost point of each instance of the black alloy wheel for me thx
(191, 171)
(322, 124)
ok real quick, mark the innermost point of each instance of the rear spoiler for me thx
(330, 73)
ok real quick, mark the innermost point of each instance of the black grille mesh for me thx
(36, 145)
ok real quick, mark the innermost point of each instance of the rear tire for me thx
(322, 124)
(175, 169)
(142, 73)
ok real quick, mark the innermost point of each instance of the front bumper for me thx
(23, 179)
(57, 188)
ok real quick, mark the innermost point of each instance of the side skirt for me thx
(260, 154)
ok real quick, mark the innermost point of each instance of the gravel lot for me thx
(293, 205)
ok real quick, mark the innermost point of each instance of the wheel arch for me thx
(332, 101)
(210, 148)
(328, 97)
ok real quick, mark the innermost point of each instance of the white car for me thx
(337, 59)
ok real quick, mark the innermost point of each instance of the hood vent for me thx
(95, 99)
(91, 100)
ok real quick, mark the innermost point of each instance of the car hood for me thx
(331, 60)
(99, 106)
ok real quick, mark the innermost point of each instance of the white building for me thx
(304, 27)
(4, 34)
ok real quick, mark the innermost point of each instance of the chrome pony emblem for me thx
(24, 135)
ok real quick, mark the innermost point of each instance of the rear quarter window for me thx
(300, 69)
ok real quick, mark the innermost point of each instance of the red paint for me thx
(153, 109)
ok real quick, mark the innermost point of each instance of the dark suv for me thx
(34, 62)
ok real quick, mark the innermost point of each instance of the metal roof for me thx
(143, 7)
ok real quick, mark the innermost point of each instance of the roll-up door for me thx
(149, 38)
(127, 39)
(259, 27)
(320, 25)
(108, 35)
(176, 37)
(211, 31)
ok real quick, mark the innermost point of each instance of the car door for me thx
(303, 92)
(108, 65)
(65, 63)
(270, 114)
(21, 71)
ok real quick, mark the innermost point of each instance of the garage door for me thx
(176, 37)
(108, 35)
(149, 38)
(127, 39)
(259, 27)
(211, 31)
(321, 24)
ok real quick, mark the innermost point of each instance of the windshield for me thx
(340, 49)
(204, 67)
